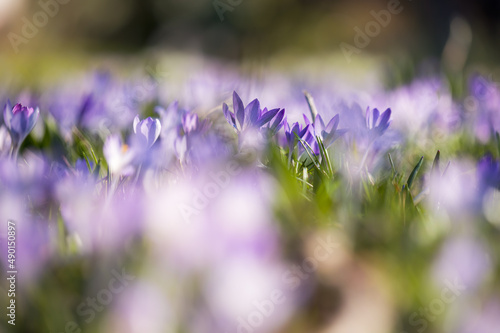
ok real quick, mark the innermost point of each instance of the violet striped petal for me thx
(266, 117)
(252, 112)
(228, 115)
(277, 124)
(333, 124)
(239, 111)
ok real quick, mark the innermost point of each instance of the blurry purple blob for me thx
(486, 320)
(141, 307)
(99, 224)
(483, 103)
(464, 259)
(488, 173)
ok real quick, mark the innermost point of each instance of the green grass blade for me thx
(414, 172)
(435, 164)
(324, 155)
(497, 135)
(87, 162)
(310, 152)
(392, 163)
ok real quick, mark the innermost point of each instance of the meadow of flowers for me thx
(225, 203)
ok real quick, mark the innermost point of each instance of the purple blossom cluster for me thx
(95, 172)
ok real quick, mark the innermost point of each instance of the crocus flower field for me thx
(226, 203)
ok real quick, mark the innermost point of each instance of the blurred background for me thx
(238, 30)
(198, 52)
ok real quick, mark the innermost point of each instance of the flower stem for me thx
(14, 151)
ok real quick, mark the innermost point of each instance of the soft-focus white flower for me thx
(118, 155)
(142, 307)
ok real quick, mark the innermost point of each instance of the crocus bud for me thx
(19, 121)
(147, 130)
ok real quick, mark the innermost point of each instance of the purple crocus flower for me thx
(19, 121)
(277, 124)
(147, 130)
(292, 134)
(330, 132)
(326, 133)
(310, 139)
(190, 129)
(377, 123)
(250, 116)
(170, 117)
(191, 124)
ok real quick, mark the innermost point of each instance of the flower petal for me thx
(333, 124)
(154, 131)
(306, 120)
(376, 114)
(229, 115)
(304, 131)
(7, 114)
(277, 124)
(239, 111)
(33, 119)
(252, 112)
(384, 120)
(266, 117)
(319, 125)
(136, 123)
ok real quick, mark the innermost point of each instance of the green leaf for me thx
(414, 172)
(311, 155)
(93, 154)
(497, 135)
(367, 190)
(392, 163)
(435, 164)
(87, 162)
(325, 156)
